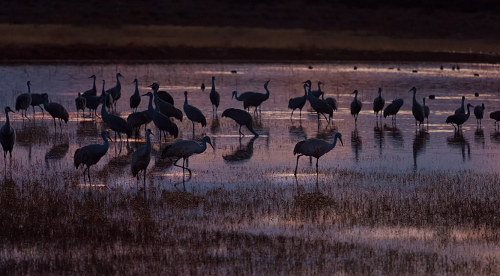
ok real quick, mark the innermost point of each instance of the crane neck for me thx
(463, 100)
(103, 93)
(148, 141)
(355, 98)
(305, 90)
(468, 110)
(414, 96)
(106, 141)
(118, 84)
(136, 88)
(332, 145)
(186, 99)
(150, 105)
(93, 86)
(7, 121)
(319, 86)
(213, 84)
(104, 112)
(267, 91)
(29, 89)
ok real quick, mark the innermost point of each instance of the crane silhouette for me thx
(135, 99)
(256, 99)
(459, 119)
(7, 136)
(416, 109)
(55, 110)
(298, 102)
(184, 149)
(426, 111)
(194, 114)
(80, 103)
(242, 118)
(114, 122)
(214, 97)
(315, 147)
(356, 106)
(36, 100)
(116, 91)
(141, 159)
(23, 101)
(162, 122)
(479, 112)
(91, 154)
(378, 103)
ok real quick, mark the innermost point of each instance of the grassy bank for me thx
(46, 42)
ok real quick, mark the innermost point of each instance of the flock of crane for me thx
(163, 112)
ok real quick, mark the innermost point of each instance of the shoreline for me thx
(105, 54)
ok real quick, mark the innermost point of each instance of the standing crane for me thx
(416, 109)
(114, 122)
(116, 91)
(314, 147)
(91, 154)
(427, 111)
(36, 100)
(161, 121)
(356, 106)
(165, 107)
(298, 102)
(459, 119)
(256, 99)
(461, 109)
(184, 149)
(55, 110)
(317, 93)
(7, 136)
(194, 114)
(378, 103)
(141, 159)
(91, 92)
(242, 118)
(479, 112)
(135, 99)
(80, 103)
(495, 116)
(23, 101)
(214, 97)
(320, 106)
(393, 108)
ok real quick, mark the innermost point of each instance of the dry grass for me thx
(228, 37)
(433, 223)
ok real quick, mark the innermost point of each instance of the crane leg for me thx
(193, 130)
(300, 114)
(239, 130)
(144, 180)
(292, 114)
(183, 161)
(317, 159)
(297, 164)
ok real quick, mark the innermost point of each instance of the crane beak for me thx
(211, 145)
(150, 86)
(145, 94)
(341, 141)
(110, 139)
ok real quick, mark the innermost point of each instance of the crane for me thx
(135, 99)
(91, 154)
(416, 109)
(114, 122)
(241, 117)
(184, 149)
(116, 91)
(426, 111)
(55, 110)
(378, 103)
(7, 136)
(36, 100)
(194, 114)
(356, 106)
(320, 106)
(479, 112)
(23, 101)
(80, 103)
(461, 109)
(256, 99)
(314, 147)
(214, 97)
(298, 102)
(141, 159)
(459, 119)
(162, 122)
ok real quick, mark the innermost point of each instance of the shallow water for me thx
(368, 145)
(378, 160)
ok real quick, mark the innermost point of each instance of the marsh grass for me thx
(298, 229)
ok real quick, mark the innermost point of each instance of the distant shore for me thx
(75, 54)
(24, 43)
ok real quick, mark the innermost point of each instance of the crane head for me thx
(154, 86)
(267, 82)
(149, 132)
(213, 77)
(119, 75)
(338, 135)
(380, 90)
(469, 105)
(92, 77)
(308, 82)
(185, 93)
(355, 92)
(207, 140)
(7, 109)
(413, 89)
(234, 94)
(29, 83)
(105, 135)
(148, 94)
(135, 81)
